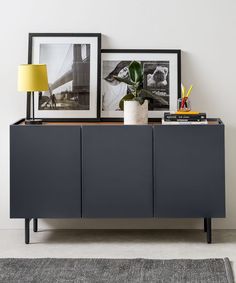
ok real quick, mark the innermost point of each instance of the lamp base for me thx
(33, 121)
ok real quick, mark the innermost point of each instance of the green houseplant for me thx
(135, 103)
(135, 83)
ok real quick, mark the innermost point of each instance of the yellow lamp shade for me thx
(32, 77)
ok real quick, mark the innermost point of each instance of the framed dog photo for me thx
(73, 65)
(161, 76)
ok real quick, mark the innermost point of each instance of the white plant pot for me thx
(134, 113)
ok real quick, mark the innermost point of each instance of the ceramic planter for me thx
(135, 113)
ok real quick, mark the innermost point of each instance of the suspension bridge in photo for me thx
(79, 73)
(74, 69)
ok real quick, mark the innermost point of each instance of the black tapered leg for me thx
(205, 225)
(208, 230)
(35, 225)
(27, 230)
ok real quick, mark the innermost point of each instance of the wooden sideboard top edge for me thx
(21, 122)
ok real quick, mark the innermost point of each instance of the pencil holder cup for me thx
(184, 107)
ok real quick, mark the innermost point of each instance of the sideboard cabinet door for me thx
(45, 171)
(117, 171)
(189, 171)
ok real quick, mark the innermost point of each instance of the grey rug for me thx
(54, 270)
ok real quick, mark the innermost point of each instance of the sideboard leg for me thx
(205, 224)
(27, 230)
(35, 225)
(209, 230)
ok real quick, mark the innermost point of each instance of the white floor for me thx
(160, 244)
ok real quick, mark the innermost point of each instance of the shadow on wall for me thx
(130, 236)
(121, 223)
(230, 176)
(191, 74)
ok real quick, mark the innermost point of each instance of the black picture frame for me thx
(98, 36)
(177, 52)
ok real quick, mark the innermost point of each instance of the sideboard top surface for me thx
(212, 121)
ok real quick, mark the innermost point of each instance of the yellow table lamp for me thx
(32, 77)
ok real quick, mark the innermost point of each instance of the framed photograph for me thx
(73, 64)
(162, 76)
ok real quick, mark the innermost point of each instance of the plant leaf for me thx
(146, 94)
(139, 99)
(135, 72)
(124, 80)
(128, 96)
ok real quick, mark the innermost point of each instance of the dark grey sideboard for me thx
(109, 170)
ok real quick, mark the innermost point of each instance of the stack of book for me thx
(184, 118)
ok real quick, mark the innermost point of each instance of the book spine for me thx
(185, 120)
(178, 116)
(184, 123)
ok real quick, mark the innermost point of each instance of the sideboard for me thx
(111, 170)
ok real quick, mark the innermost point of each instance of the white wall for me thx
(203, 29)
